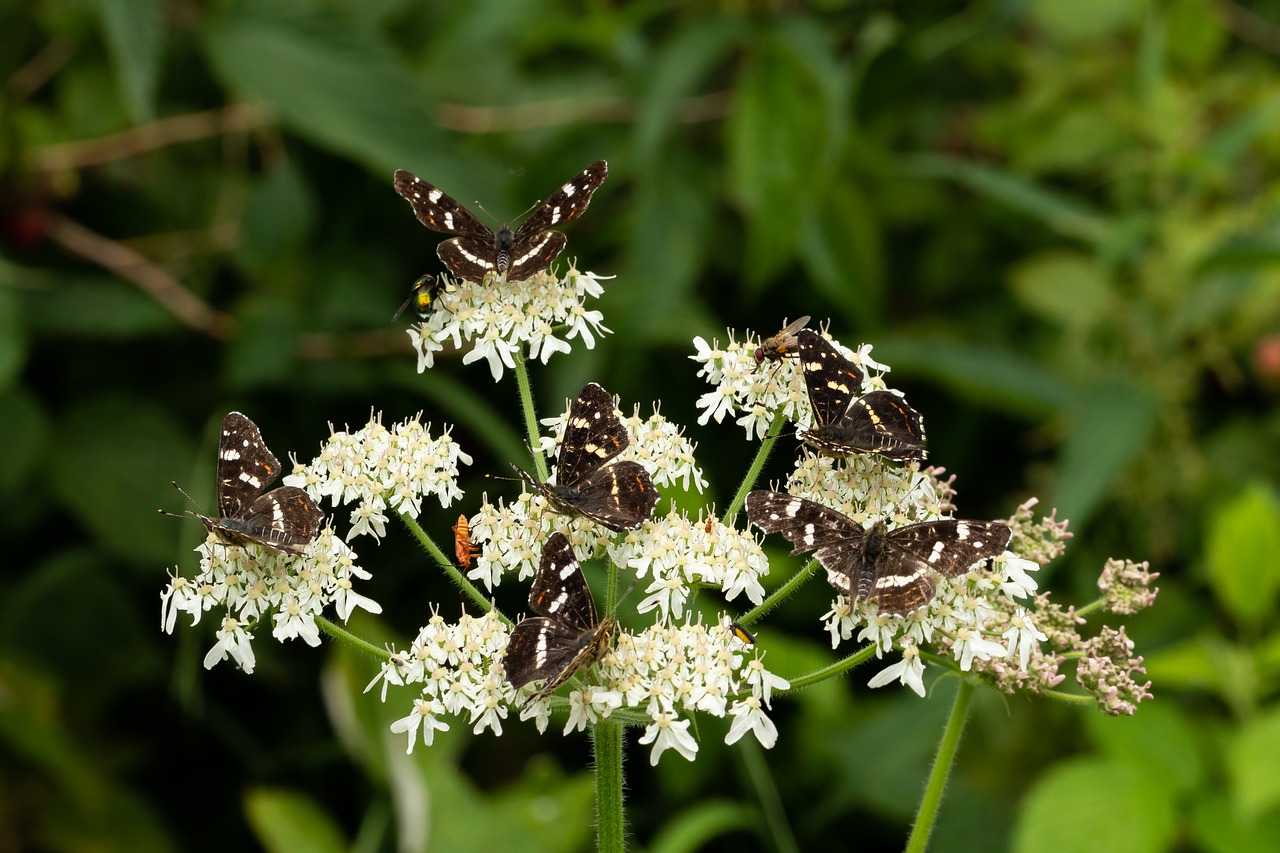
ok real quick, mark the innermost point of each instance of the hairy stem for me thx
(606, 744)
(530, 415)
(942, 764)
(757, 465)
(458, 578)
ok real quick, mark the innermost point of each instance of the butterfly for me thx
(782, 345)
(422, 296)
(284, 520)
(880, 422)
(565, 635)
(893, 568)
(478, 250)
(619, 496)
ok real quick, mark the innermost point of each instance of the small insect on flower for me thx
(478, 250)
(893, 568)
(742, 633)
(565, 635)
(782, 345)
(426, 290)
(284, 520)
(620, 496)
(462, 546)
(880, 422)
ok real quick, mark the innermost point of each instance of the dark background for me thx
(1058, 222)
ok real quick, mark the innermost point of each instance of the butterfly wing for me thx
(620, 496)
(880, 422)
(285, 519)
(245, 465)
(535, 254)
(565, 635)
(437, 210)
(593, 434)
(565, 204)
(905, 559)
(831, 379)
(469, 258)
(835, 538)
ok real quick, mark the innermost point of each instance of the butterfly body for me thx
(285, 519)
(478, 250)
(620, 495)
(565, 635)
(894, 568)
(879, 422)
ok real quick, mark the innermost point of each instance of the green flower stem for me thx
(778, 595)
(343, 635)
(840, 666)
(751, 755)
(1073, 698)
(530, 414)
(1090, 607)
(606, 743)
(757, 465)
(942, 764)
(459, 579)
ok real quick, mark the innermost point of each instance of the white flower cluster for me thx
(498, 321)
(679, 554)
(754, 392)
(251, 583)
(962, 613)
(381, 469)
(662, 672)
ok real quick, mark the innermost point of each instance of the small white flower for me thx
(423, 716)
(667, 732)
(1023, 637)
(749, 717)
(908, 671)
(234, 642)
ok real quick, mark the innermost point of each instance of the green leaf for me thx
(843, 253)
(116, 459)
(332, 81)
(1111, 426)
(1093, 805)
(1068, 288)
(983, 373)
(693, 828)
(13, 340)
(24, 435)
(286, 822)
(1218, 828)
(278, 216)
(1240, 554)
(1066, 216)
(1253, 754)
(1161, 739)
(780, 142)
(135, 38)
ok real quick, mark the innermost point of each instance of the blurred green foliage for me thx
(1058, 222)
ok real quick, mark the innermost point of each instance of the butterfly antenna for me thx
(183, 492)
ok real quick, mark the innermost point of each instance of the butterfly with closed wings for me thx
(565, 635)
(284, 520)
(879, 423)
(893, 568)
(620, 495)
(478, 250)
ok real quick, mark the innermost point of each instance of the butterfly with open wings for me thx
(893, 568)
(478, 250)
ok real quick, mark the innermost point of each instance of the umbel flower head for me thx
(664, 672)
(374, 467)
(498, 319)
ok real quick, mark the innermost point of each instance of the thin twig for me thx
(1249, 26)
(236, 118)
(154, 280)
(470, 119)
(39, 69)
